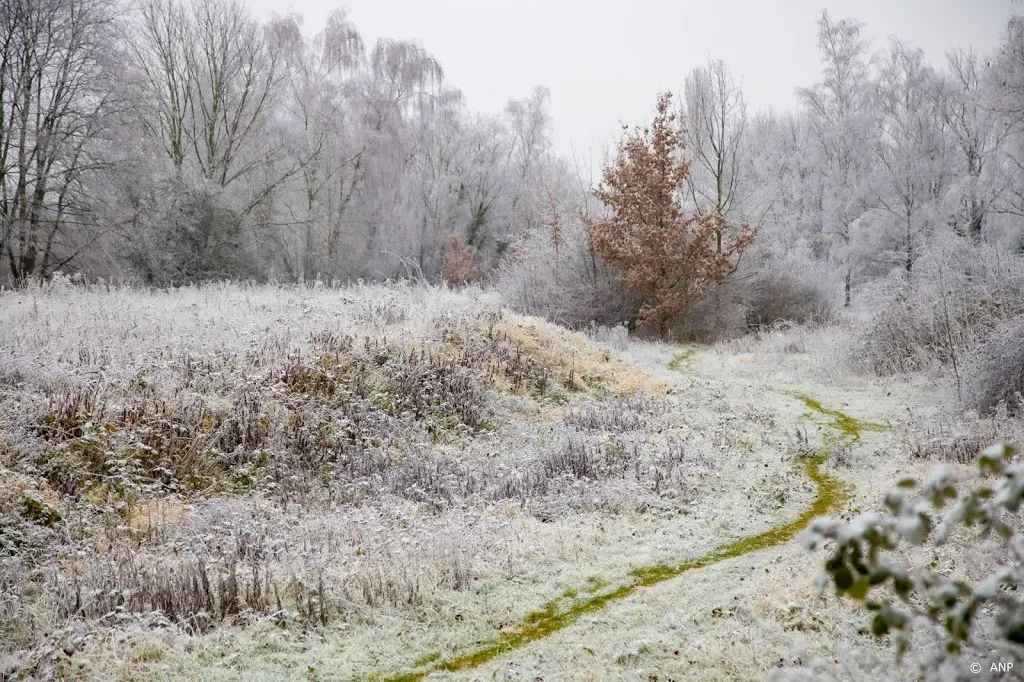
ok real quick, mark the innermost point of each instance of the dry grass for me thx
(578, 364)
(158, 455)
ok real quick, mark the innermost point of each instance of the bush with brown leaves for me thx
(458, 267)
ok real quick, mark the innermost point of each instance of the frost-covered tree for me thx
(910, 152)
(841, 116)
(320, 134)
(1006, 75)
(211, 75)
(209, 81)
(532, 161)
(977, 136)
(663, 255)
(787, 194)
(1006, 97)
(57, 62)
(716, 119)
(321, 157)
(441, 208)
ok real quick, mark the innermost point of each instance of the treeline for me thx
(180, 140)
(888, 165)
(172, 141)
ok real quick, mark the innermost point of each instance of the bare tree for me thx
(159, 51)
(910, 147)
(489, 152)
(234, 72)
(442, 197)
(975, 130)
(405, 81)
(782, 164)
(840, 111)
(716, 119)
(53, 99)
(402, 89)
(529, 122)
(210, 78)
(320, 87)
(210, 74)
(1006, 100)
(1007, 74)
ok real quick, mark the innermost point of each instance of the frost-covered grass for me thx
(234, 482)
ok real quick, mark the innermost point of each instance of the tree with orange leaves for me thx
(662, 254)
(458, 268)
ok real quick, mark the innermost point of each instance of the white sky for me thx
(605, 62)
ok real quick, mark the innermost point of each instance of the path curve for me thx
(560, 613)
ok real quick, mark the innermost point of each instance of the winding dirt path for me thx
(832, 495)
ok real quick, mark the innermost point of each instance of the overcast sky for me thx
(605, 62)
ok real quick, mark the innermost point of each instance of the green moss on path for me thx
(849, 427)
(568, 609)
(679, 361)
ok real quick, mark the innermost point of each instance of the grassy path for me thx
(562, 612)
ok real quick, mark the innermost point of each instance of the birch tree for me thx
(840, 111)
(1006, 95)
(783, 166)
(910, 151)
(977, 136)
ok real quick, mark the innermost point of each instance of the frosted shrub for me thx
(787, 294)
(958, 293)
(972, 619)
(717, 316)
(562, 280)
(995, 372)
(193, 235)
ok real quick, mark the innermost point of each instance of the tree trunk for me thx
(975, 221)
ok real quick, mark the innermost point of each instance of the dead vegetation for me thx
(956, 443)
(118, 467)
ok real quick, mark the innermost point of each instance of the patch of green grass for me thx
(850, 428)
(425, 660)
(680, 361)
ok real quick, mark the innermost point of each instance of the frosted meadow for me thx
(323, 375)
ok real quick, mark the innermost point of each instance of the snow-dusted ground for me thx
(709, 456)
